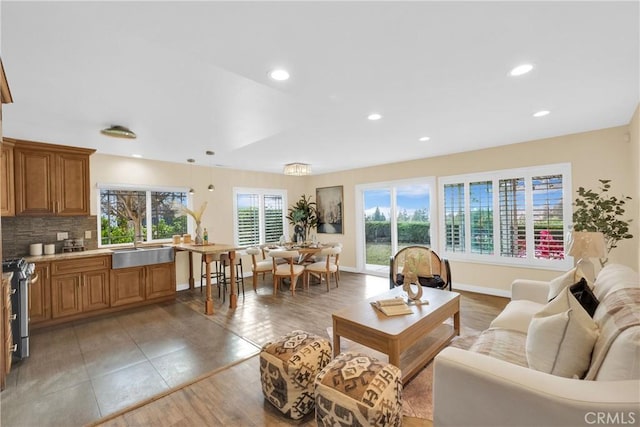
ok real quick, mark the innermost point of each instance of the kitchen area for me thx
(54, 274)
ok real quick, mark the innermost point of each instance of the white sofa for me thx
(478, 387)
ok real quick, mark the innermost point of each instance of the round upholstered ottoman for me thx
(288, 368)
(358, 390)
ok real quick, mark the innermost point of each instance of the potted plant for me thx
(597, 211)
(303, 216)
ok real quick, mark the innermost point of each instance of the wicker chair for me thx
(437, 272)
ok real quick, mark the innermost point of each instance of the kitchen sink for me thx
(142, 255)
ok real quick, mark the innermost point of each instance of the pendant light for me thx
(118, 131)
(191, 190)
(211, 187)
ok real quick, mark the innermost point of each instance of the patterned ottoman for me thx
(358, 390)
(288, 368)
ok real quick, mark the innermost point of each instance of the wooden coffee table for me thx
(409, 340)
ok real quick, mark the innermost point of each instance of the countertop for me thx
(68, 255)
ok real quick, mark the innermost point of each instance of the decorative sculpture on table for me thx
(414, 264)
(197, 217)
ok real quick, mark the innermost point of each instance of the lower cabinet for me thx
(71, 289)
(79, 293)
(127, 286)
(137, 284)
(40, 294)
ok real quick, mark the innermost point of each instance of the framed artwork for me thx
(329, 204)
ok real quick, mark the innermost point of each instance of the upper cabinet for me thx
(51, 179)
(7, 198)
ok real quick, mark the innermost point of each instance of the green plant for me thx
(597, 211)
(303, 213)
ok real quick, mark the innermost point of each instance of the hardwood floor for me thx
(82, 372)
(233, 396)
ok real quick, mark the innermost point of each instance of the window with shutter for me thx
(260, 216)
(533, 216)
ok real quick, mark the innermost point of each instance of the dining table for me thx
(208, 253)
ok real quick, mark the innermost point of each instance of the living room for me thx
(595, 145)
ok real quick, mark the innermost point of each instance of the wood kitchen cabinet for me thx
(79, 286)
(144, 283)
(40, 294)
(7, 197)
(51, 179)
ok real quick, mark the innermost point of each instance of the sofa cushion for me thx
(503, 344)
(516, 316)
(615, 354)
(613, 277)
(561, 282)
(561, 338)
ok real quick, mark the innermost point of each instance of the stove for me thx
(22, 272)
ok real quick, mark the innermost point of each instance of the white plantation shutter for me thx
(481, 212)
(454, 213)
(513, 237)
(532, 216)
(547, 217)
(248, 219)
(260, 216)
(273, 214)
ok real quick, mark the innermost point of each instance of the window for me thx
(125, 214)
(259, 216)
(532, 216)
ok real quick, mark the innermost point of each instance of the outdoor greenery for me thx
(598, 211)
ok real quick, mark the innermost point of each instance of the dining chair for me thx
(289, 269)
(325, 268)
(259, 266)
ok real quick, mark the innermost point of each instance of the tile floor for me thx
(80, 372)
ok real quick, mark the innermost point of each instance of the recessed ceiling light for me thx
(521, 69)
(424, 138)
(374, 116)
(137, 156)
(279, 74)
(541, 113)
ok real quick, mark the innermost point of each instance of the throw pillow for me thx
(559, 283)
(561, 337)
(585, 296)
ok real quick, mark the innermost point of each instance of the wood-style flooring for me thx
(176, 344)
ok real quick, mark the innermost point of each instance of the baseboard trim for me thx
(482, 290)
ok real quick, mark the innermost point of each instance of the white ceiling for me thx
(192, 76)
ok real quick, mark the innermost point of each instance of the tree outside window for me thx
(125, 215)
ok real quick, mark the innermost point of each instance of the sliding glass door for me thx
(393, 215)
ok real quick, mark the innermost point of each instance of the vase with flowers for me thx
(197, 217)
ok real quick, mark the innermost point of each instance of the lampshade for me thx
(297, 169)
(587, 244)
(119, 132)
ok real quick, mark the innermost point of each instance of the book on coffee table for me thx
(392, 306)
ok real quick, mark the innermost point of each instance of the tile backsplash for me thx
(21, 231)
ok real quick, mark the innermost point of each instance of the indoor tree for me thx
(303, 216)
(598, 211)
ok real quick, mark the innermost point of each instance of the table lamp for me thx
(585, 245)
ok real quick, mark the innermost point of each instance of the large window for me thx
(259, 216)
(532, 216)
(135, 214)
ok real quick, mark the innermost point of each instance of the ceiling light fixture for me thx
(297, 169)
(191, 190)
(521, 69)
(118, 132)
(137, 156)
(424, 138)
(279, 74)
(541, 113)
(374, 116)
(211, 187)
